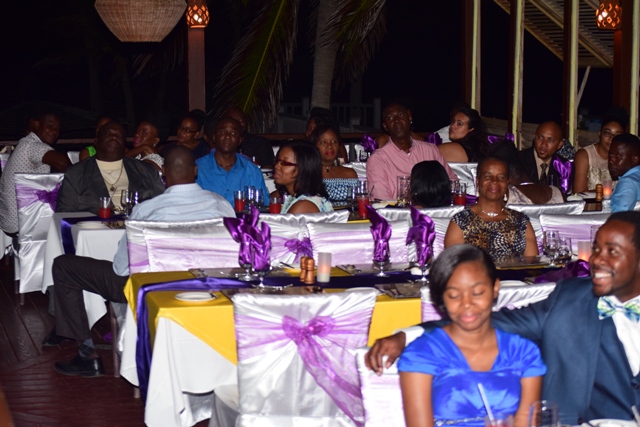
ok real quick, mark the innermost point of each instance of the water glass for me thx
(499, 420)
(543, 413)
(258, 198)
(275, 205)
(238, 201)
(454, 184)
(125, 201)
(564, 252)
(403, 191)
(550, 243)
(363, 156)
(104, 209)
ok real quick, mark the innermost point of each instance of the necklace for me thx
(327, 168)
(112, 186)
(491, 214)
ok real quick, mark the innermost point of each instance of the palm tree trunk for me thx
(325, 56)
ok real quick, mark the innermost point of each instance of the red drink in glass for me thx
(238, 204)
(459, 199)
(363, 201)
(275, 208)
(104, 213)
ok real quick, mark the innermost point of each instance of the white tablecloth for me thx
(95, 243)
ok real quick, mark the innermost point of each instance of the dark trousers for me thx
(74, 274)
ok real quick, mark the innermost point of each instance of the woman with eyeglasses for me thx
(591, 163)
(189, 135)
(297, 174)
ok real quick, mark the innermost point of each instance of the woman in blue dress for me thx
(441, 370)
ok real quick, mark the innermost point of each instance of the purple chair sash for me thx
(299, 247)
(321, 360)
(368, 143)
(578, 268)
(26, 196)
(381, 232)
(434, 138)
(564, 171)
(422, 233)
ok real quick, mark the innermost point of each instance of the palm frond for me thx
(168, 54)
(360, 25)
(254, 77)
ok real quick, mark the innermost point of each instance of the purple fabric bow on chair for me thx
(27, 196)
(299, 247)
(493, 138)
(422, 233)
(243, 230)
(434, 138)
(381, 231)
(578, 268)
(564, 170)
(368, 143)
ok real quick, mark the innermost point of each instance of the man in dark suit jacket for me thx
(588, 343)
(84, 183)
(546, 142)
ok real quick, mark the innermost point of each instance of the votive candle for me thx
(324, 267)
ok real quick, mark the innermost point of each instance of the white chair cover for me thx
(534, 212)
(170, 245)
(400, 214)
(359, 167)
(296, 358)
(74, 156)
(36, 199)
(577, 227)
(467, 173)
(352, 243)
(511, 296)
(381, 394)
(3, 159)
(289, 232)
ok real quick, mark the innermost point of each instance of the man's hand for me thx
(389, 346)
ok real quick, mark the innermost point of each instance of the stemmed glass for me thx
(550, 244)
(125, 201)
(247, 268)
(381, 265)
(263, 269)
(423, 269)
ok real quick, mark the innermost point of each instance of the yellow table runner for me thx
(212, 321)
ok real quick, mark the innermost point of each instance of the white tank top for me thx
(598, 168)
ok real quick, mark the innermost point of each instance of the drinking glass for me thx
(564, 252)
(423, 269)
(460, 196)
(403, 191)
(104, 210)
(499, 420)
(246, 265)
(238, 201)
(550, 243)
(455, 185)
(275, 205)
(258, 197)
(543, 413)
(125, 201)
(380, 264)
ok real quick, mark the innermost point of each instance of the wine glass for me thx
(246, 265)
(423, 269)
(550, 242)
(125, 201)
(381, 264)
(261, 265)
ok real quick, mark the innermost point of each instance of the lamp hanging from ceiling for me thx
(140, 20)
(609, 15)
(197, 14)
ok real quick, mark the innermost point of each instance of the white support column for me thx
(517, 38)
(476, 58)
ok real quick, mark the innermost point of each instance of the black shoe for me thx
(53, 339)
(81, 367)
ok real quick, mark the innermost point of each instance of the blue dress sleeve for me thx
(525, 353)
(423, 355)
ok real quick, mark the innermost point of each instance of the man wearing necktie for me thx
(588, 330)
(537, 160)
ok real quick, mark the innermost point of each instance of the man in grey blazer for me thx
(588, 330)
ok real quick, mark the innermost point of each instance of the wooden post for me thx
(472, 53)
(195, 66)
(570, 71)
(516, 55)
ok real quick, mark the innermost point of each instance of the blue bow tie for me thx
(606, 308)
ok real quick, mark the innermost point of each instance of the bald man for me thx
(537, 161)
(183, 200)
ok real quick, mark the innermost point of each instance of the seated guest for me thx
(90, 151)
(587, 330)
(190, 135)
(591, 163)
(224, 170)
(106, 174)
(297, 176)
(489, 225)
(33, 154)
(183, 200)
(537, 161)
(149, 134)
(255, 147)
(430, 186)
(338, 180)
(319, 116)
(468, 140)
(440, 371)
(624, 166)
(398, 157)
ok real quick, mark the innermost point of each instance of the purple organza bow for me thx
(422, 233)
(27, 196)
(578, 268)
(261, 247)
(434, 138)
(242, 231)
(368, 143)
(493, 139)
(381, 231)
(564, 170)
(299, 247)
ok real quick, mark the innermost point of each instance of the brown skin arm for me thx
(143, 149)
(453, 152)
(453, 236)
(416, 397)
(390, 346)
(581, 167)
(531, 389)
(532, 245)
(59, 162)
(303, 206)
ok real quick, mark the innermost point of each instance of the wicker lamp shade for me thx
(140, 20)
(609, 15)
(197, 14)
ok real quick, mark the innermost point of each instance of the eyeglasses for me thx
(184, 129)
(284, 163)
(608, 134)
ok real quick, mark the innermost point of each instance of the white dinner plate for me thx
(195, 296)
(90, 225)
(512, 283)
(612, 423)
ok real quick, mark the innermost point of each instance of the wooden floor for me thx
(35, 393)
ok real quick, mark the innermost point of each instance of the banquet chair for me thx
(402, 214)
(179, 245)
(466, 173)
(74, 156)
(352, 243)
(576, 227)
(534, 212)
(4, 157)
(381, 394)
(36, 196)
(296, 360)
(290, 236)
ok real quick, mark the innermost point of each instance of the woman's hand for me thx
(416, 397)
(390, 346)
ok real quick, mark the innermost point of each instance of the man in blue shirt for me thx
(224, 171)
(183, 200)
(624, 166)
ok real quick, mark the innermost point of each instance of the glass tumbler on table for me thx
(362, 198)
(550, 243)
(460, 196)
(275, 205)
(104, 208)
(403, 191)
(543, 413)
(125, 201)
(564, 251)
(238, 201)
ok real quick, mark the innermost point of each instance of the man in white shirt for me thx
(183, 200)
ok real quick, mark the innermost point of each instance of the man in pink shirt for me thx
(398, 158)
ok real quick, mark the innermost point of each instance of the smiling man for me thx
(624, 166)
(537, 160)
(224, 170)
(588, 330)
(398, 157)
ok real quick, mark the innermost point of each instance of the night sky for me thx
(43, 53)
